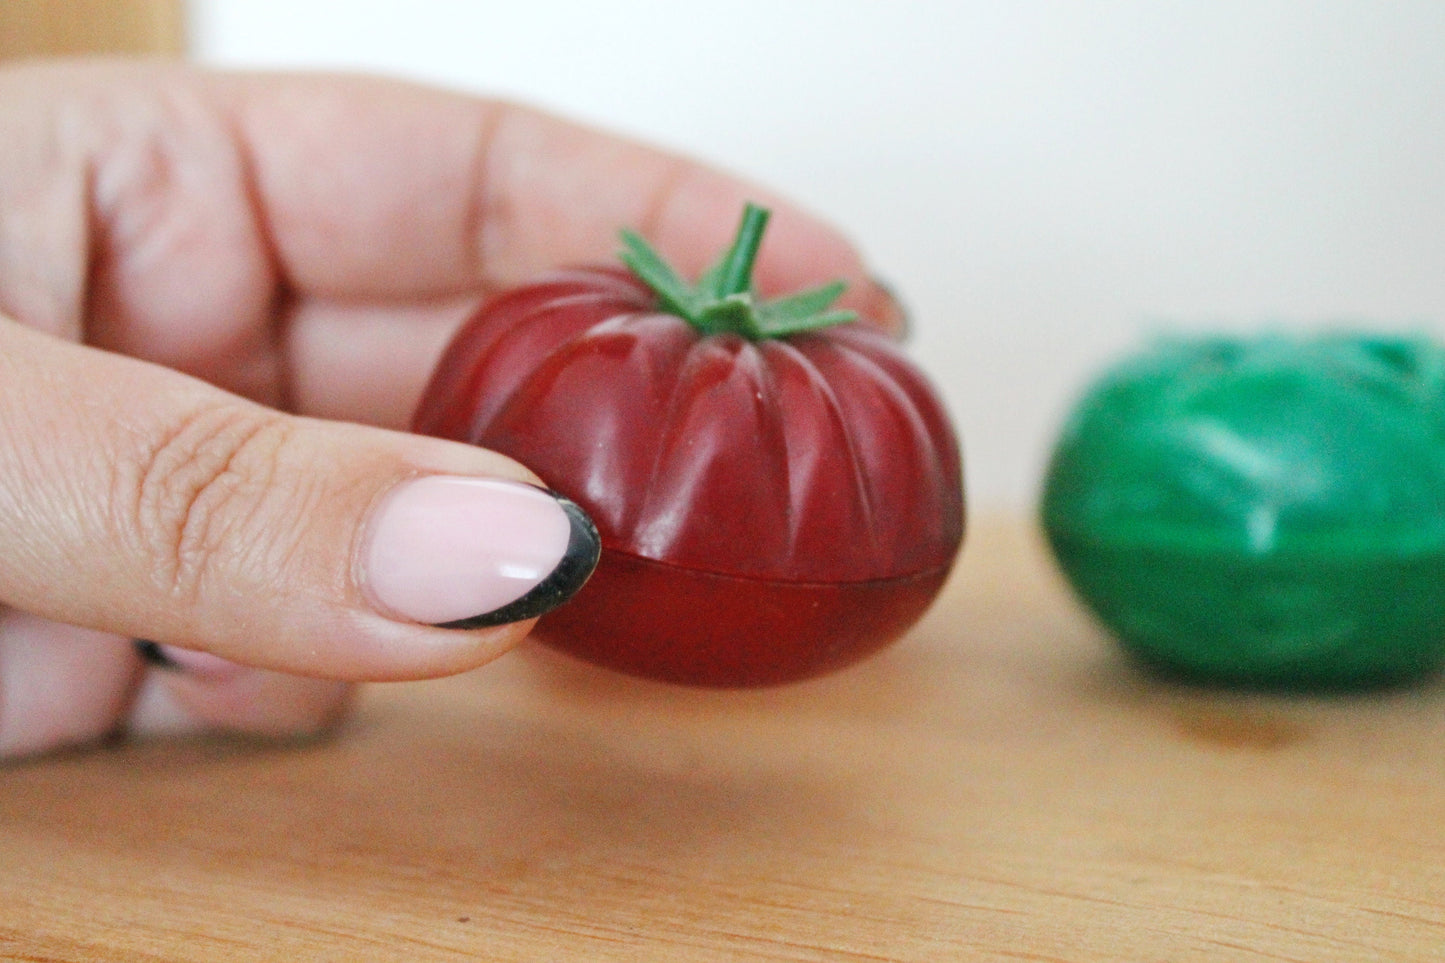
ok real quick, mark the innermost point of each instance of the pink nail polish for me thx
(471, 552)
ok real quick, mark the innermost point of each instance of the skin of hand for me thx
(220, 298)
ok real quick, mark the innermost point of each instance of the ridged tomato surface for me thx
(769, 509)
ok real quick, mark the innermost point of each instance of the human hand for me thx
(220, 297)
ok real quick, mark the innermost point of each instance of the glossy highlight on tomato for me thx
(771, 507)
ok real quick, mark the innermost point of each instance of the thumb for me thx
(139, 501)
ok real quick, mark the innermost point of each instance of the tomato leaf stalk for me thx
(723, 300)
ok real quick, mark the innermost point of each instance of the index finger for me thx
(376, 190)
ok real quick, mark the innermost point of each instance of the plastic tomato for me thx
(778, 491)
(1262, 512)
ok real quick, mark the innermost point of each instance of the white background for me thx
(1047, 184)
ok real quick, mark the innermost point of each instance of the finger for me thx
(62, 687)
(179, 216)
(377, 189)
(138, 501)
(129, 222)
(186, 692)
(365, 363)
(59, 685)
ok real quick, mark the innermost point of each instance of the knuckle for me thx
(200, 489)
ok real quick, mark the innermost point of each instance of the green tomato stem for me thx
(736, 276)
(723, 301)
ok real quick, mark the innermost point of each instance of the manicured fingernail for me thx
(897, 316)
(153, 653)
(466, 553)
(172, 659)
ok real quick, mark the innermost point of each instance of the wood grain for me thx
(62, 27)
(999, 786)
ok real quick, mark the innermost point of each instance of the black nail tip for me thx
(151, 653)
(584, 548)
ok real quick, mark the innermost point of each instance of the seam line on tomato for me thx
(924, 572)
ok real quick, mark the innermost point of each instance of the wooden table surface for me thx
(998, 786)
